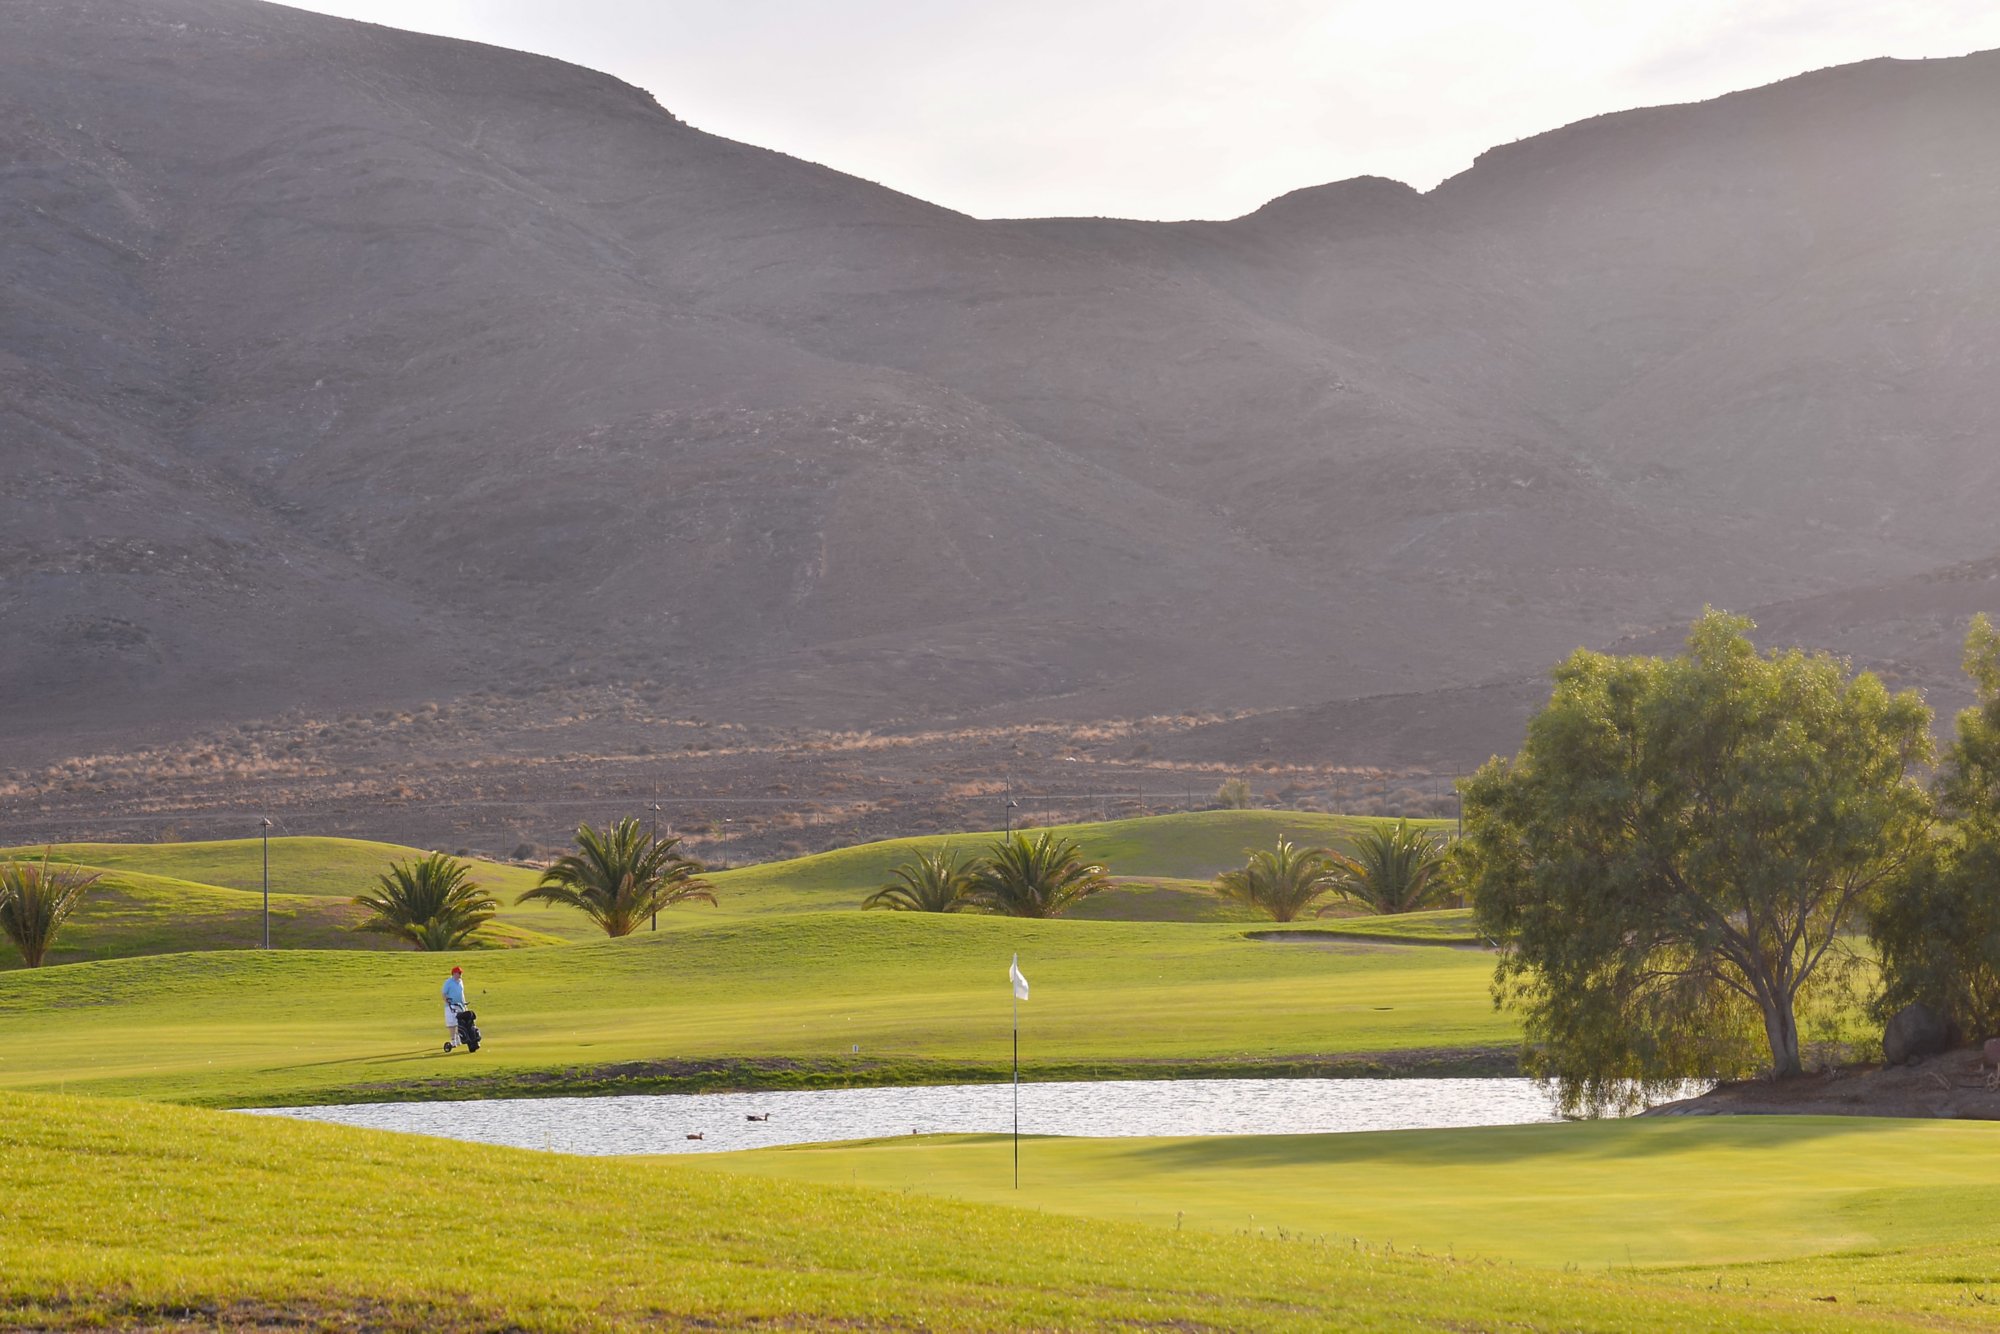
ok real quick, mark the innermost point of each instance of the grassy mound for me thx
(1180, 850)
(330, 870)
(158, 1216)
(922, 996)
(175, 897)
(131, 913)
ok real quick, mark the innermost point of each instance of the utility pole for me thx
(267, 881)
(655, 808)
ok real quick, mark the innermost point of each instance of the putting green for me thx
(1653, 1191)
(139, 1214)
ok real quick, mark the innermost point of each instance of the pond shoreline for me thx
(762, 1074)
(704, 1123)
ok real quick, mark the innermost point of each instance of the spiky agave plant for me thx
(618, 877)
(935, 882)
(36, 898)
(1042, 876)
(1283, 881)
(432, 902)
(1393, 869)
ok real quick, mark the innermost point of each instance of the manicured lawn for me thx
(167, 897)
(130, 913)
(158, 1215)
(923, 996)
(1192, 847)
(331, 869)
(1651, 1192)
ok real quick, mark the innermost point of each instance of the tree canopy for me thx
(1939, 937)
(1673, 857)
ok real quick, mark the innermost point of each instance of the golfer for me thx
(454, 1001)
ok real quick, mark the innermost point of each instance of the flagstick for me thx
(1017, 1093)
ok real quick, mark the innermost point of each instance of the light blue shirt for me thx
(454, 991)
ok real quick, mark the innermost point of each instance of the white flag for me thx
(1020, 983)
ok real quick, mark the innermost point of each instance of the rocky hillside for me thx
(342, 366)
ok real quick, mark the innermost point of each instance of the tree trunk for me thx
(1782, 1028)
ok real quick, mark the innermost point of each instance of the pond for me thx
(663, 1123)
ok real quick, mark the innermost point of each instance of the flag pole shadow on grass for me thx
(1020, 994)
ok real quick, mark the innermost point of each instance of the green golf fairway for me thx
(171, 897)
(150, 1215)
(130, 913)
(1673, 1191)
(923, 996)
(1194, 847)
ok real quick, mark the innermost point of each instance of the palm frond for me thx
(1283, 881)
(1039, 877)
(619, 877)
(1393, 869)
(935, 882)
(431, 902)
(36, 899)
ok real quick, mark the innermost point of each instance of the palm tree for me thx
(1282, 881)
(36, 899)
(1039, 877)
(934, 882)
(621, 876)
(432, 902)
(1394, 869)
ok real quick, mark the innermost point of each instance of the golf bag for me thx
(468, 1031)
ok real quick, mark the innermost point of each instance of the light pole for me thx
(655, 808)
(267, 881)
(726, 832)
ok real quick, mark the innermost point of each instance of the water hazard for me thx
(663, 1123)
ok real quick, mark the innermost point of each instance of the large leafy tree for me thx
(1043, 876)
(1938, 935)
(621, 876)
(1281, 882)
(1675, 855)
(36, 898)
(935, 882)
(431, 902)
(1394, 868)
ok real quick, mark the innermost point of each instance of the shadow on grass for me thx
(1570, 1142)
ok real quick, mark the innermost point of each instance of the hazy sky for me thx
(1177, 108)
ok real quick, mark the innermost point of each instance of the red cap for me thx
(456, 970)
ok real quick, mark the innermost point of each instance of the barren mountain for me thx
(342, 367)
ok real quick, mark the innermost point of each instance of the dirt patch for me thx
(1956, 1085)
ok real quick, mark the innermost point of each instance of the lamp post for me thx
(266, 824)
(655, 808)
(726, 832)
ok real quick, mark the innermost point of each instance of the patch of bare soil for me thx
(1956, 1085)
